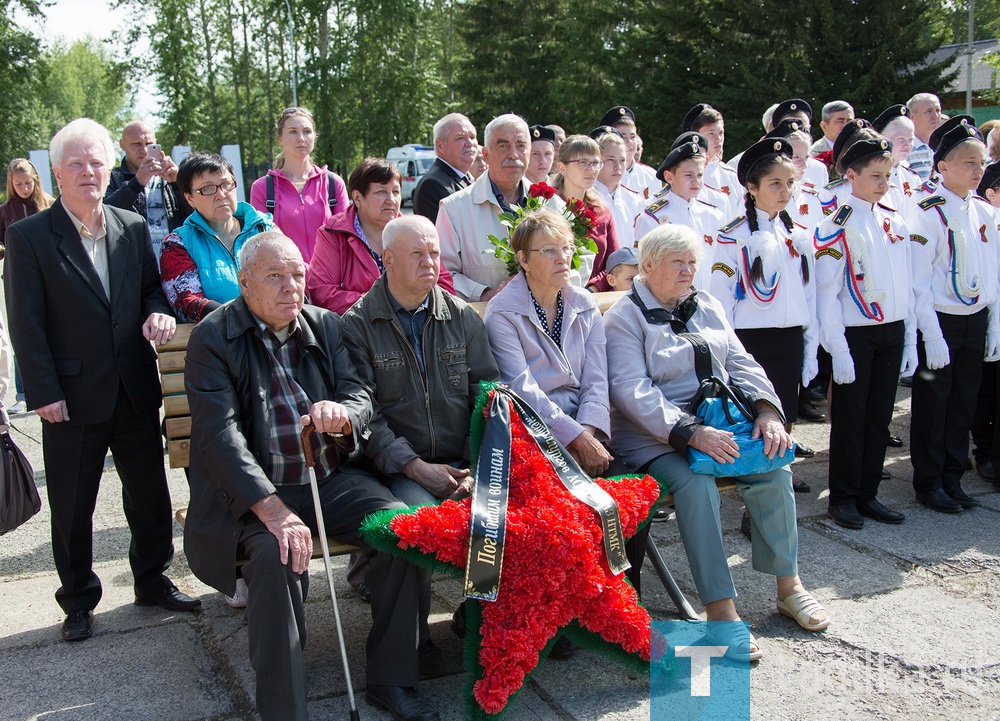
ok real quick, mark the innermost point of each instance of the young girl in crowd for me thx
(299, 194)
(25, 197)
(579, 164)
(762, 275)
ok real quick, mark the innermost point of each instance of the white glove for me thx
(992, 345)
(909, 365)
(810, 369)
(843, 368)
(937, 353)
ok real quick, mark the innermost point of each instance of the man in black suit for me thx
(455, 145)
(84, 302)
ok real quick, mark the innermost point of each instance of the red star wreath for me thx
(555, 572)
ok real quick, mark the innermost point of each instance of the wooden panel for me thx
(179, 427)
(172, 383)
(179, 453)
(172, 362)
(180, 340)
(174, 406)
(604, 301)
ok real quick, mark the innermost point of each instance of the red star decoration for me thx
(554, 568)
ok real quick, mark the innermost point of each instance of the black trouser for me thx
(985, 423)
(74, 461)
(861, 412)
(275, 613)
(944, 403)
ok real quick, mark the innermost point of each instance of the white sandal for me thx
(800, 607)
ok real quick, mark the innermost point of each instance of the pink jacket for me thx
(300, 215)
(342, 268)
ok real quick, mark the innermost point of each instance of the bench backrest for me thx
(175, 402)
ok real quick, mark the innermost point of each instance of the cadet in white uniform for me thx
(894, 125)
(986, 424)
(857, 129)
(637, 176)
(708, 122)
(804, 207)
(626, 204)
(863, 300)
(762, 274)
(682, 172)
(954, 249)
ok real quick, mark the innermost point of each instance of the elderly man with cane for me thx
(259, 369)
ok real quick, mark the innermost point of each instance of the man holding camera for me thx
(145, 182)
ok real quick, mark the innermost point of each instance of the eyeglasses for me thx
(209, 190)
(551, 251)
(588, 164)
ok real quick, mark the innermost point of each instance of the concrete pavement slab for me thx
(160, 673)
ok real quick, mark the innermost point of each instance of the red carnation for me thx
(541, 190)
(826, 157)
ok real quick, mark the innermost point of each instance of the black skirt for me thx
(779, 352)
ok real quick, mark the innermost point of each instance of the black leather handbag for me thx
(19, 499)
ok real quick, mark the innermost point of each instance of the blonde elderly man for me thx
(84, 302)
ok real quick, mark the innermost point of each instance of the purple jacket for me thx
(567, 386)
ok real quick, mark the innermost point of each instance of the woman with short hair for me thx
(199, 262)
(347, 259)
(652, 378)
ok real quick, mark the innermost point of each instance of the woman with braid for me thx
(762, 275)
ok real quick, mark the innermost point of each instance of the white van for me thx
(413, 160)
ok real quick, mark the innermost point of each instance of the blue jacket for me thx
(218, 269)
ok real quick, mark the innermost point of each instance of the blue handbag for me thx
(727, 408)
(718, 404)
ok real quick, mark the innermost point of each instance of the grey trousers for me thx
(770, 503)
(275, 611)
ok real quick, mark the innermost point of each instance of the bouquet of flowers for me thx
(581, 220)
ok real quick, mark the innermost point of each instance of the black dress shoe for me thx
(364, 593)
(802, 451)
(874, 509)
(962, 498)
(906, 381)
(800, 486)
(811, 414)
(938, 500)
(986, 471)
(431, 660)
(169, 598)
(886, 475)
(78, 626)
(402, 702)
(846, 515)
(814, 395)
(895, 441)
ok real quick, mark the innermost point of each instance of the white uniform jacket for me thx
(626, 205)
(701, 217)
(862, 271)
(465, 220)
(723, 178)
(642, 179)
(783, 298)
(954, 254)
